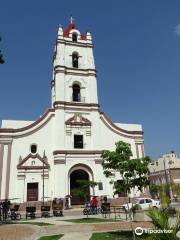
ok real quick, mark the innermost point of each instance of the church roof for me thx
(69, 28)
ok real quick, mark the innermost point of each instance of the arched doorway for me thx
(78, 190)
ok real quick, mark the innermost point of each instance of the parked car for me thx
(145, 203)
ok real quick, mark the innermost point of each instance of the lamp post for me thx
(43, 179)
(166, 179)
(170, 180)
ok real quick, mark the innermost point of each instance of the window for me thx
(74, 37)
(76, 93)
(141, 201)
(75, 60)
(148, 200)
(78, 141)
(33, 148)
(100, 186)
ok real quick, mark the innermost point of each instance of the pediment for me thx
(33, 161)
(78, 120)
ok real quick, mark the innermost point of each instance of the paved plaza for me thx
(80, 231)
(70, 230)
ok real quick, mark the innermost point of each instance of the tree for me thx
(83, 190)
(154, 190)
(134, 172)
(1, 56)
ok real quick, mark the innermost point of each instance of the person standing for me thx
(0, 211)
(5, 209)
(94, 203)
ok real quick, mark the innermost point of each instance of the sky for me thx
(137, 56)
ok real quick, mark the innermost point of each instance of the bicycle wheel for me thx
(85, 211)
(18, 216)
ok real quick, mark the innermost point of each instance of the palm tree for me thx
(161, 220)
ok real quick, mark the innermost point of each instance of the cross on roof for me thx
(71, 19)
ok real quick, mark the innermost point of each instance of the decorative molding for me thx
(76, 44)
(77, 104)
(18, 130)
(98, 161)
(75, 69)
(59, 162)
(77, 152)
(120, 131)
(34, 156)
(45, 175)
(74, 73)
(77, 109)
(78, 120)
(118, 128)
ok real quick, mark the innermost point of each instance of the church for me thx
(45, 158)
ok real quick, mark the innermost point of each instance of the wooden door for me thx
(32, 192)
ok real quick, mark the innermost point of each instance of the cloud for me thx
(177, 29)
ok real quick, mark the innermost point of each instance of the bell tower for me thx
(74, 73)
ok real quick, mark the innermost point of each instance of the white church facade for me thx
(65, 143)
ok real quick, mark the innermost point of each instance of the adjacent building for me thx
(166, 169)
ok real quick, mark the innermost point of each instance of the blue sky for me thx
(137, 54)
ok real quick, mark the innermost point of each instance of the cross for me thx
(71, 19)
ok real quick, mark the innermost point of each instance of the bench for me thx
(30, 212)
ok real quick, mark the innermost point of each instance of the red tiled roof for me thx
(69, 28)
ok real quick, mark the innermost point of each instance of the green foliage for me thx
(176, 188)
(154, 189)
(35, 223)
(121, 235)
(164, 198)
(136, 207)
(53, 237)
(161, 220)
(83, 190)
(133, 171)
(91, 220)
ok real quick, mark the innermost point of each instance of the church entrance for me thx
(32, 191)
(78, 190)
